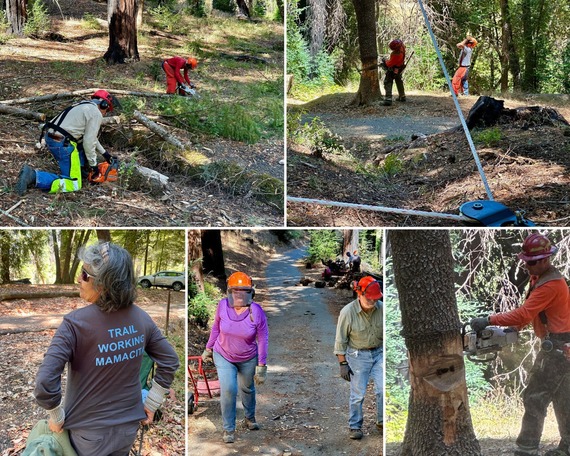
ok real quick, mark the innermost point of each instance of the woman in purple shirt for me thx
(238, 347)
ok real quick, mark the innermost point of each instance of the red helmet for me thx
(369, 287)
(395, 44)
(106, 96)
(536, 247)
(192, 62)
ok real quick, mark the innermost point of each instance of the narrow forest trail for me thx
(303, 407)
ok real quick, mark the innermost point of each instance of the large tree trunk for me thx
(16, 13)
(349, 241)
(5, 243)
(530, 77)
(213, 255)
(122, 16)
(509, 55)
(439, 421)
(195, 257)
(369, 89)
(243, 8)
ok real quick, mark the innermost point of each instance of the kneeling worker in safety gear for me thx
(547, 307)
(460, 81)
(71, 137)
(394, 67)
(172, 67)
(359, 349)
(238, 347)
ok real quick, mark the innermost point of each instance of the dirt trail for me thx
(303, 407)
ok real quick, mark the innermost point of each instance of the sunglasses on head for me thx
(85, 275)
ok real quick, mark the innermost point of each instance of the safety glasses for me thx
(85, 275)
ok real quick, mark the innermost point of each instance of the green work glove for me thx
(479, 324)
(260, 375)
(208, 356)
(345, 371)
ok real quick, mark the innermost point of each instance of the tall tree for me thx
(369, 88)
(509, 55)
(213, 255)
(122, 17)
(16, 13)
(195, 257)
(349, 241)
(439, 421)
(5, 243)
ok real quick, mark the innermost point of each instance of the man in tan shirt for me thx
(359, 348)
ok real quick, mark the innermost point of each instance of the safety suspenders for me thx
(55, 123)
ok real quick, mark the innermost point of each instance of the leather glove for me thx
(260, 375)
(109, 158)
(345, 371)
(208, 356)
(479, 324)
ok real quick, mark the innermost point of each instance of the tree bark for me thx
(195, 257)
(439, 421)
(55, 242)
(17, 14)
(22, 113)
(369, 88)
(122, 16)
(213, 255)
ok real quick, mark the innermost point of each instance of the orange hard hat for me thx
(368, 287)
(240, 280)
(192, 62)
(106, 97)
(536, 247)
(471, 42)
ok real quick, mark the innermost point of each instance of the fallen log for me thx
(155, 128)
(22, 113)
(75, 93)
(152, 174)
(41, 295)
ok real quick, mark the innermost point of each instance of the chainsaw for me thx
(482, 347)
(108, 172)
(187, 91)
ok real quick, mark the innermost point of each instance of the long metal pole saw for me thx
(461, 118)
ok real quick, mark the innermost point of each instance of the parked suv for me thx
(165, 279)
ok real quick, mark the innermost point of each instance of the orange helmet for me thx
(368, 287)
(536, 247)
(240, 290)
(107, 102)
(192, 62)
(395, 44)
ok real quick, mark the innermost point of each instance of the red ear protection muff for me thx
(104, 104)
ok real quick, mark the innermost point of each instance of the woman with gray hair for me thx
(103, 345)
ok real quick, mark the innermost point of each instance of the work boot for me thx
(356, 434)
(26, 178)
(387, 101)
(402, 99)
(251, 424)
(229, 437)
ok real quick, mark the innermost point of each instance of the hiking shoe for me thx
(402, 99)
(229, 437)
(26, 178)
(251, 424)
(387, 103)
(356, 434)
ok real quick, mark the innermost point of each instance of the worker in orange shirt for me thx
(394, 67)
(547, 307)
(172, 67)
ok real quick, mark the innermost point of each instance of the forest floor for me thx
(70, 58)
(26, 329)
(527, 163)
(303, 406)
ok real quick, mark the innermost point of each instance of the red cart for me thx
(204, 381)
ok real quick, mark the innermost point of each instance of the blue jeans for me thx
(365, 365)
(234, 376)
(465, 82)
(62, 155)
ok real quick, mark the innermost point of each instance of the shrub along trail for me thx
(303, 406)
